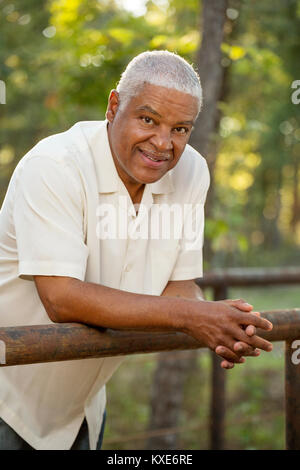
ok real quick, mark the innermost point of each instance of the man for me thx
(60, 263)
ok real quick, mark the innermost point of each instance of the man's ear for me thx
(113, 104)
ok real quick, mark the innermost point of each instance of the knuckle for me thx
(227, 329)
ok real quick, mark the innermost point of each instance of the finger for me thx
(227, 365)
(259, 322)
(229, 355)
(245, 349)
(233, 348)
(241, 304)
(242, 348)
(250, 330)
(255, 341)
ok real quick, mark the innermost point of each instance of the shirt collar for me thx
(107, 175)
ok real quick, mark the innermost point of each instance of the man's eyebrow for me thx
(185, 123)
(148, 109)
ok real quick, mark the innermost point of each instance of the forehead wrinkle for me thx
(175, 105)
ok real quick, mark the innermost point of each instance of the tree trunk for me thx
(212, 76)
(296, 199)
(173, 368)
(170, 376)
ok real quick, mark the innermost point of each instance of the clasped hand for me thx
(249, 343)
(228, 328)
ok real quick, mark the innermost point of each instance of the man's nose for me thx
(162, 140)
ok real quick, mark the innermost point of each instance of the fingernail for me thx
(229, 365)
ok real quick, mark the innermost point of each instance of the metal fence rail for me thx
(71, 341)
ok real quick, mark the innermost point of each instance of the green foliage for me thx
(257, 167)
(60, 59)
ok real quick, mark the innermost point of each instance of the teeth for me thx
(154, 159)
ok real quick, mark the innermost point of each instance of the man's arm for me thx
(184, 289)
(213, 323)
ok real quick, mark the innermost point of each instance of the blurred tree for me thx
(256, 174)
(173, 368)
(86, 44)
(24, 66)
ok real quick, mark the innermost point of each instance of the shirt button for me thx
(127, 268)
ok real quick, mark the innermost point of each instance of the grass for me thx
(254, 393)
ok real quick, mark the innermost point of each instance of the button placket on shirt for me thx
(133, 248)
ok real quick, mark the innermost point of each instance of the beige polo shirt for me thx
(53, 222)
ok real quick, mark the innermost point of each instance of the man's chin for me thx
(149, 179)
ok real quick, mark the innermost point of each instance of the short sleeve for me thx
(189, 262)
(48, 217)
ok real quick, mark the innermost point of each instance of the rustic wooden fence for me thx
(71, 341)
(220, 281)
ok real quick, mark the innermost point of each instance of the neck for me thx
(136, 193)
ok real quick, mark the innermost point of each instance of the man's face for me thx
(148, 136)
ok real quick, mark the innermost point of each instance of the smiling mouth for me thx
(155, 157)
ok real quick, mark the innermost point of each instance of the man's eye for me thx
(181, 130)
(147, 120)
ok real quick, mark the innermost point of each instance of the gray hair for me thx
(161, 68)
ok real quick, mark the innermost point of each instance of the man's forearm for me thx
(211, 323)
(71, 300)
(184, 289)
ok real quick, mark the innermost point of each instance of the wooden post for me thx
(292, 394)
(217, 407)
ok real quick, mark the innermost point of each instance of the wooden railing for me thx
(71, 341)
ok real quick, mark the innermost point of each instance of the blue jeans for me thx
(10, 440)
